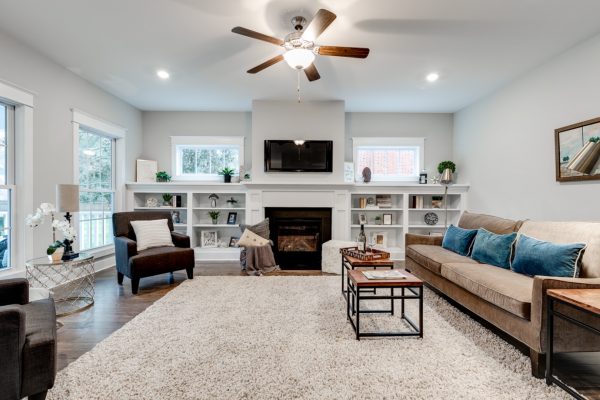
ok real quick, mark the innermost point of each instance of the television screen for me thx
(296, 156)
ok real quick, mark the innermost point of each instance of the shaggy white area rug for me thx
(284, 337)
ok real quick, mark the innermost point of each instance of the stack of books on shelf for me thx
(417, 201)
(383, 200)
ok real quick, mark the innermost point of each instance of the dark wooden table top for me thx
(357, 262)
(588, 299)
(359, 279)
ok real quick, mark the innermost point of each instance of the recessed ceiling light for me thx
(162, 74)
(432, 77)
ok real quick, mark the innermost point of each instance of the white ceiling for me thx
(475, 45)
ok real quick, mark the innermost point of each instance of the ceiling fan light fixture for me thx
(299, 58)
(298, 142)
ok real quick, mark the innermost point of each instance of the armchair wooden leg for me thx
(119, 278)
(135, 284)
(171, 278)
(190, 272)
(538, 364)
(38, 396)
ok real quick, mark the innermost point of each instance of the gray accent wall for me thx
(504, 144)
(57, 90)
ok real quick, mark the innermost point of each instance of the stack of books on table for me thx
(385, 274)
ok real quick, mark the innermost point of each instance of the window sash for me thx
(391, 144)
(89, 237)
(198, 143)
(8, 229)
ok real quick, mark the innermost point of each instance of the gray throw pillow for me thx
(261, 229)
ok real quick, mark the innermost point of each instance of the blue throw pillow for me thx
(536, 257)
(493, 249)
(459, 240)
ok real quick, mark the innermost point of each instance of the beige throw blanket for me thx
(260, 260)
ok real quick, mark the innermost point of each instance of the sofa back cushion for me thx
(459, 240)
(493, 249)
(489, 222)
(587, 233)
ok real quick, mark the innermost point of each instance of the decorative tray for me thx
(370, 255)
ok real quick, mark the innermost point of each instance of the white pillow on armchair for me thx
(152, 233)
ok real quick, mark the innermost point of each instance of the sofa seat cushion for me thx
(39, 351)
(501, 287)
(432, 257)
(159, 260)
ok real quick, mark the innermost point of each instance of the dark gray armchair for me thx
(153, 261)
(27, 342)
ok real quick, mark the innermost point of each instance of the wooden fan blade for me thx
(266, 64)
(256, 35)
(311, 73)
(319, 23)
(355, 52)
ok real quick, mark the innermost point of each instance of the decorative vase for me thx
(57, 255)
(215, 220)
(227, 178)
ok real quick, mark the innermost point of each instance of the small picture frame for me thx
(423, 178)
(233, 241)
(208, 239)
(362, 219)
(380, 239)
(232, 218)
(387, 219)
(176, 217)
(146, 170)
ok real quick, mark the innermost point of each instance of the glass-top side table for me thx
(71, 282)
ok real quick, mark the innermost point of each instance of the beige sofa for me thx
(514, 303)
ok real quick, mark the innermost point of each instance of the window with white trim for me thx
(390, 159)
(7, 188)
(201, 158)
(96, 188)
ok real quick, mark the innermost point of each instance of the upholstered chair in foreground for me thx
(27, 342)
(136, 264)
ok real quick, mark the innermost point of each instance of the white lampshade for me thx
(67, 198)
(299, 58)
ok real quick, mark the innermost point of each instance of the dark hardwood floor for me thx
(115, 306)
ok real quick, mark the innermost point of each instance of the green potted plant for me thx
(378, 220)
(162, 176)
(167, 199)
(446, 165)
(226, 172)
(231, 202)
(214, 215)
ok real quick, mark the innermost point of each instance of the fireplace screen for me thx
(301, 237)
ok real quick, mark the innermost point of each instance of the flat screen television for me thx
(292, 156)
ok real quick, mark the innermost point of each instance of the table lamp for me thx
(446, 180)
(67, 201)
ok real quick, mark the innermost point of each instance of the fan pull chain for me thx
(298, 87)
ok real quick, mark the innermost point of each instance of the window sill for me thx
(100, 252)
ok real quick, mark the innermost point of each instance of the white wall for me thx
(319, 120)
(435, 128)
(159, 126)
(504, 144)
(57, 91)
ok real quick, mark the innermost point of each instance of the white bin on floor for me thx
(331, 259)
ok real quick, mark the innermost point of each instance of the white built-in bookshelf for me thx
(404, 213)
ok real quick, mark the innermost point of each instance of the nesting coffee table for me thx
(411, 288)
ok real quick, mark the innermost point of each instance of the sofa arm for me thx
(180, 240)
(539, 298)
(411, 238)
(14, 291)
(12, 340)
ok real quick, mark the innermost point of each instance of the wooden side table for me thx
(358, 281)
(350, 263)
(585, 300)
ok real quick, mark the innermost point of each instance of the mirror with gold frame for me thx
(578, 151)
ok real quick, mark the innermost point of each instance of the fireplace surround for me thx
(298, 234)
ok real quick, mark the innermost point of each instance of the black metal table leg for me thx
(421, 312)
(549, 340)
(392, 301)
(357, 313)
(402, 304)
